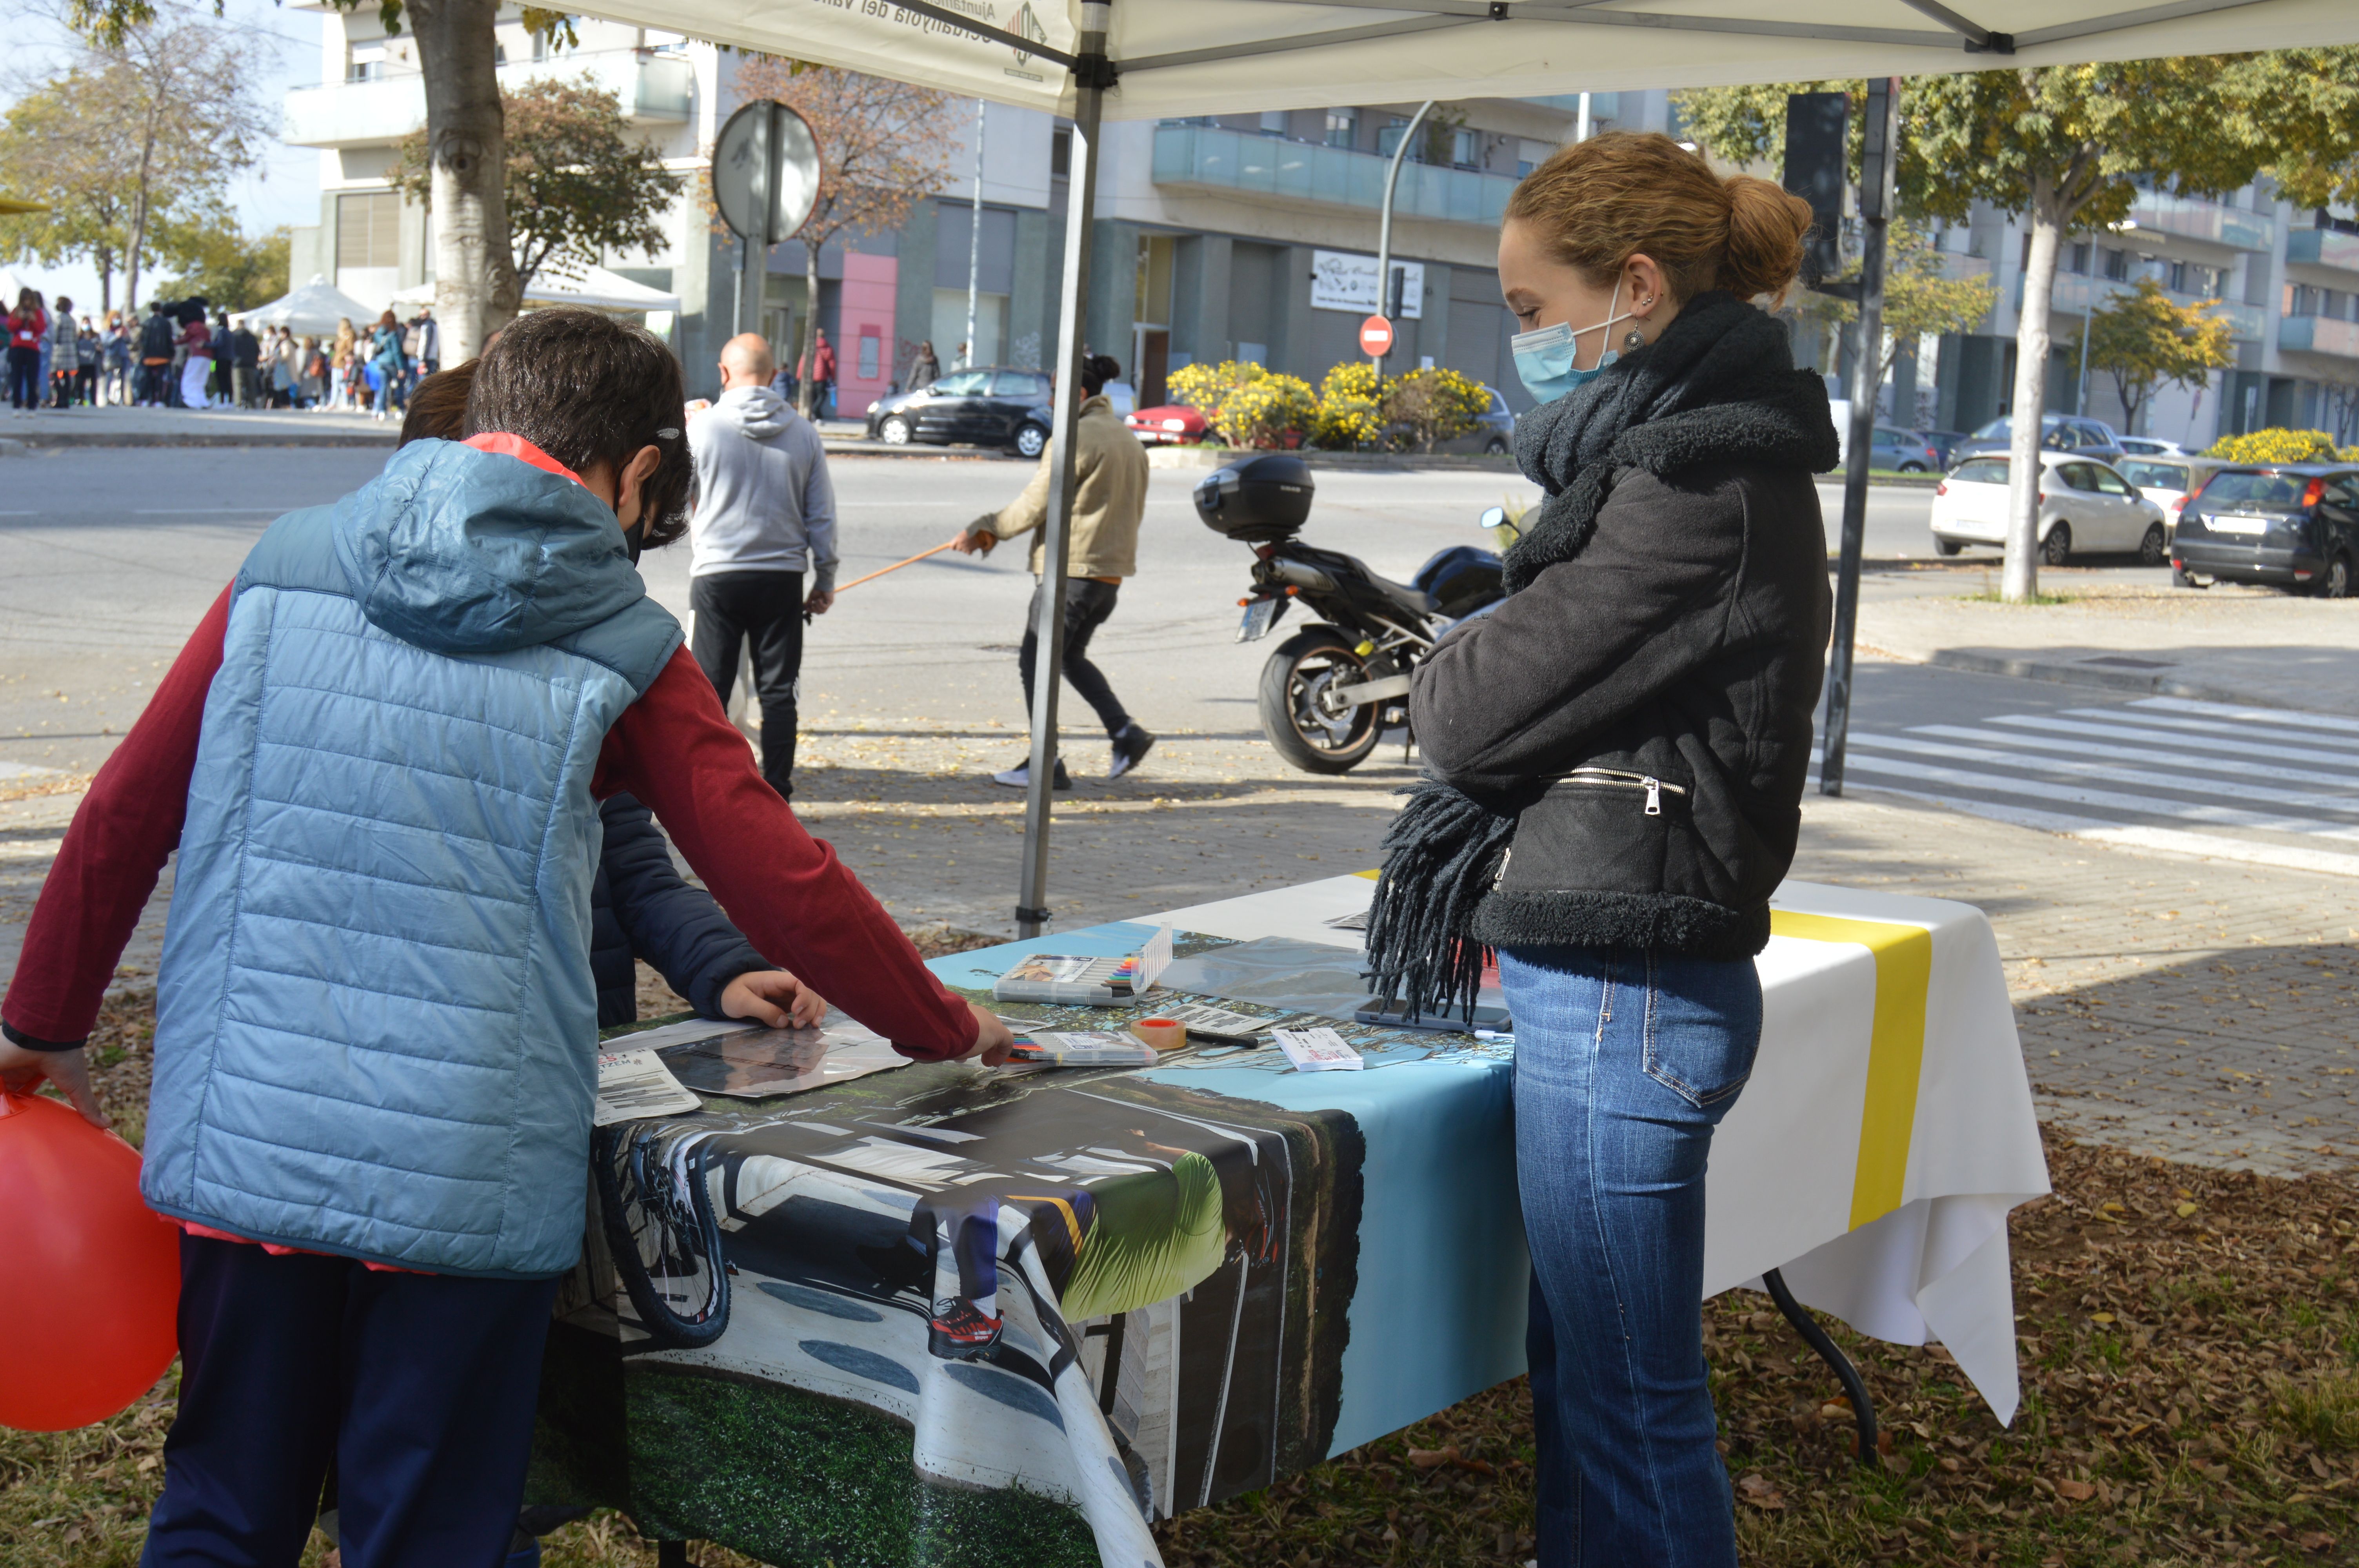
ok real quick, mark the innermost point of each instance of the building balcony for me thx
(2322, 247)
(1223, 162)
(2195, 218)
(2318, 335)
(655, 88)
(2077, 294)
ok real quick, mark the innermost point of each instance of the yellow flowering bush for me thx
(1264, 411)
(1246, 404)
(1350, 412)
(2275, 445)
(1430, 405)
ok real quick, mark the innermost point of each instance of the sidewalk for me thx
(53, 429)
(2224, 644)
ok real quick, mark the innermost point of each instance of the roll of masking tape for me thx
(1163, 1034)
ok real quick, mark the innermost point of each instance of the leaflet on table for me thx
(1100, 982)
(1092, 1048)
(631, 1083)
(1319, 1050)
(1219, 1026)
(755, 1062)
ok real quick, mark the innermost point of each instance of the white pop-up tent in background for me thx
(311, 311)
(595, 288)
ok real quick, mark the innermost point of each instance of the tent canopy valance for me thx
(1213, 57)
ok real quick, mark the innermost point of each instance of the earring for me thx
(1634, 338)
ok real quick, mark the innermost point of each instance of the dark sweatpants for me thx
(420, 1387)
(1088, 603)
(766, 609)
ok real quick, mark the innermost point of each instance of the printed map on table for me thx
(947, 1313)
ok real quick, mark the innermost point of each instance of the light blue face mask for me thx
(1545, 356)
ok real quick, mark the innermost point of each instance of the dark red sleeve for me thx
(126, 828)
(675, 751)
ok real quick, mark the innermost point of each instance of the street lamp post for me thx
(1385, 304)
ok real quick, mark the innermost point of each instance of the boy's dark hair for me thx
(588, 389)
(1096, 371)
(438, 406)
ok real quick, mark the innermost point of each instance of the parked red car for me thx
(1174, 424)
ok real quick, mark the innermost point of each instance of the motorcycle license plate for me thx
(1258, 615)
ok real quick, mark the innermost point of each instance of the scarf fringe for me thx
(1441, 855)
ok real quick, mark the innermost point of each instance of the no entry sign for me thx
(1375, 337)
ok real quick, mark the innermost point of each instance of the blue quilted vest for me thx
(376, 1026)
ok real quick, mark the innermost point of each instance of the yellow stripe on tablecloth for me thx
(1904, 977)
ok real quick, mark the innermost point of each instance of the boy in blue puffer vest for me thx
(380, 759)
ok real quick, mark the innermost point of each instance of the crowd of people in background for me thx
(184, 355)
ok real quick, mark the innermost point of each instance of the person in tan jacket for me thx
(1109, 499)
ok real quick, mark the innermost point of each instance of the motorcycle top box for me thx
(1259, 499)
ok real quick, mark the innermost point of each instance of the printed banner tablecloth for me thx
(1218, 1271)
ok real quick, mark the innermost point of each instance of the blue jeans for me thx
(1625, 1060)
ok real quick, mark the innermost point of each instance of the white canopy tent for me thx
(1211, 56)
(596, 288)
(1091, 60)
(312, 310)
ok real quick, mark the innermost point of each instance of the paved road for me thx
(108, 557)
(2260, 785)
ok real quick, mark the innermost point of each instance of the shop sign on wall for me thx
(1341, 281)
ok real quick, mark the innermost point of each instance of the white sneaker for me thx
(1020, 776)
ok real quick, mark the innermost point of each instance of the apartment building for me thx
(2285, 279)
(1253, 237)
(1240, 236)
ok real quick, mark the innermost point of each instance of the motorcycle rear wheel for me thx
(1304, 723)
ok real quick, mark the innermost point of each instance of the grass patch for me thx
(1993, 596)
(2190, 1375)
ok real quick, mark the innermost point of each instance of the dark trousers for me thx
(420, 1387)
(1088, 603)
(767, 610)
(24, 377)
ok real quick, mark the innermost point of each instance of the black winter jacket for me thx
(1644, 708)
(640, 906)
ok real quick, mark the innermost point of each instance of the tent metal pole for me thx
(1879, 158)
(1092, 73)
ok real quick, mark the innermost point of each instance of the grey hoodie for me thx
(763, 502)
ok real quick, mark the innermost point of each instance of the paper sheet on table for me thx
(633, 1084)
(754, 1063)
(1277, 971)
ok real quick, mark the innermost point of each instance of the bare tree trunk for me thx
(806, 349)
(139, 215)
(476, 286)
(2019, 581)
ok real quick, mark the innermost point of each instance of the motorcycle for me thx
(1331, 691)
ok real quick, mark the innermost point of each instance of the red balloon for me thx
(83, 1261)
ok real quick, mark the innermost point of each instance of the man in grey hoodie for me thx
(764, 514)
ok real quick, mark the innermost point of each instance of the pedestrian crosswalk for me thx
(2267, 786)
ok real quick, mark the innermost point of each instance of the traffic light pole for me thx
(1878, 156)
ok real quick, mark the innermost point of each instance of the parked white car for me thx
(2086, 507)
(2168, 482)
(2152, 447)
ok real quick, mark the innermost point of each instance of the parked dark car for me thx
(2294, 525)
(1494, 432)
(1945, 442)
(992, 407)
(2057, 433)
(1901, 450)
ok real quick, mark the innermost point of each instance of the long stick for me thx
(896, 566)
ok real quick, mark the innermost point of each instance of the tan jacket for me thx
(1109, 498)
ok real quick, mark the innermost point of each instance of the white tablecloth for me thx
(1873, 1157)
